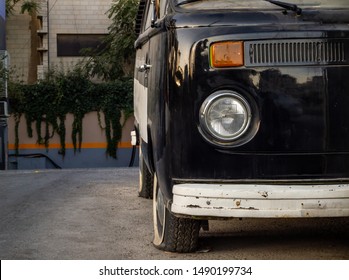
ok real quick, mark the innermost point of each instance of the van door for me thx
(141, 75)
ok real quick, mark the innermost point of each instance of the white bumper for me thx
(261, 201)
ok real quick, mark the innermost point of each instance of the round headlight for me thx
(225, 116)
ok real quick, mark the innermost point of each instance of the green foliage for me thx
(31, 7)
(3, 75)
(10, 4)
(112, 104)
(50, 100)
(116, 58)
(26, 6)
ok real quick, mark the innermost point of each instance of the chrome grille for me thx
(295, 52)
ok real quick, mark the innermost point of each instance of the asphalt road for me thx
(96, 214)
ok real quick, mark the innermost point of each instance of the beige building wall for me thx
(18, 44)
(93, 134)
(58, 17)
(75, 17)
(93, 150)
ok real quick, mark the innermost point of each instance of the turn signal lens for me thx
(227, 54)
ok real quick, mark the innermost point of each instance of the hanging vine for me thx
(50, 100)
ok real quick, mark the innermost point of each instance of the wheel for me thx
(145, 178)
(170, 232)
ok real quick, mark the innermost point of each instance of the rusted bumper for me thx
(261, 201)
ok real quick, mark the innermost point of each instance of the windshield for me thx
(258, 4)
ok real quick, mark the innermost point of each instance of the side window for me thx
(163, 7)
(160, 10)
(149, 16)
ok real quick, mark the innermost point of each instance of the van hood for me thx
(309, 19)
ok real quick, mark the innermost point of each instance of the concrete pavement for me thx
(96, 214)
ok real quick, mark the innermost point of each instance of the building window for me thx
(74, 44)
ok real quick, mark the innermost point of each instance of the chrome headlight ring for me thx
(226, 119)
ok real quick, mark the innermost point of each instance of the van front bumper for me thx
(260, 201)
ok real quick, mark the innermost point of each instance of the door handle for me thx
(144, 67)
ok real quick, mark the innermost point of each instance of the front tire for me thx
(170, 232)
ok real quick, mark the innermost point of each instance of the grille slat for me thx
(296, 52)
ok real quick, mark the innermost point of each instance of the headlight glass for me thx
(225, 116)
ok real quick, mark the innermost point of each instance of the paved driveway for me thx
(96, 214)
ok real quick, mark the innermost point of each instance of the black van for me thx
(242, 110)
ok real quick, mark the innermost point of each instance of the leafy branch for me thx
(50, 100)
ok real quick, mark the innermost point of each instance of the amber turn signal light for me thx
(227, 54)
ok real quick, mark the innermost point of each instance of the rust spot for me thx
(238, 203)
(193, 206)
(263, 193)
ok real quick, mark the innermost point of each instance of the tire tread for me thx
(182, 234)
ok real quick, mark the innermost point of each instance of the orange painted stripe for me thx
(92, 145)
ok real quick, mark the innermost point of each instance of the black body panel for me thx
(302, 103)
